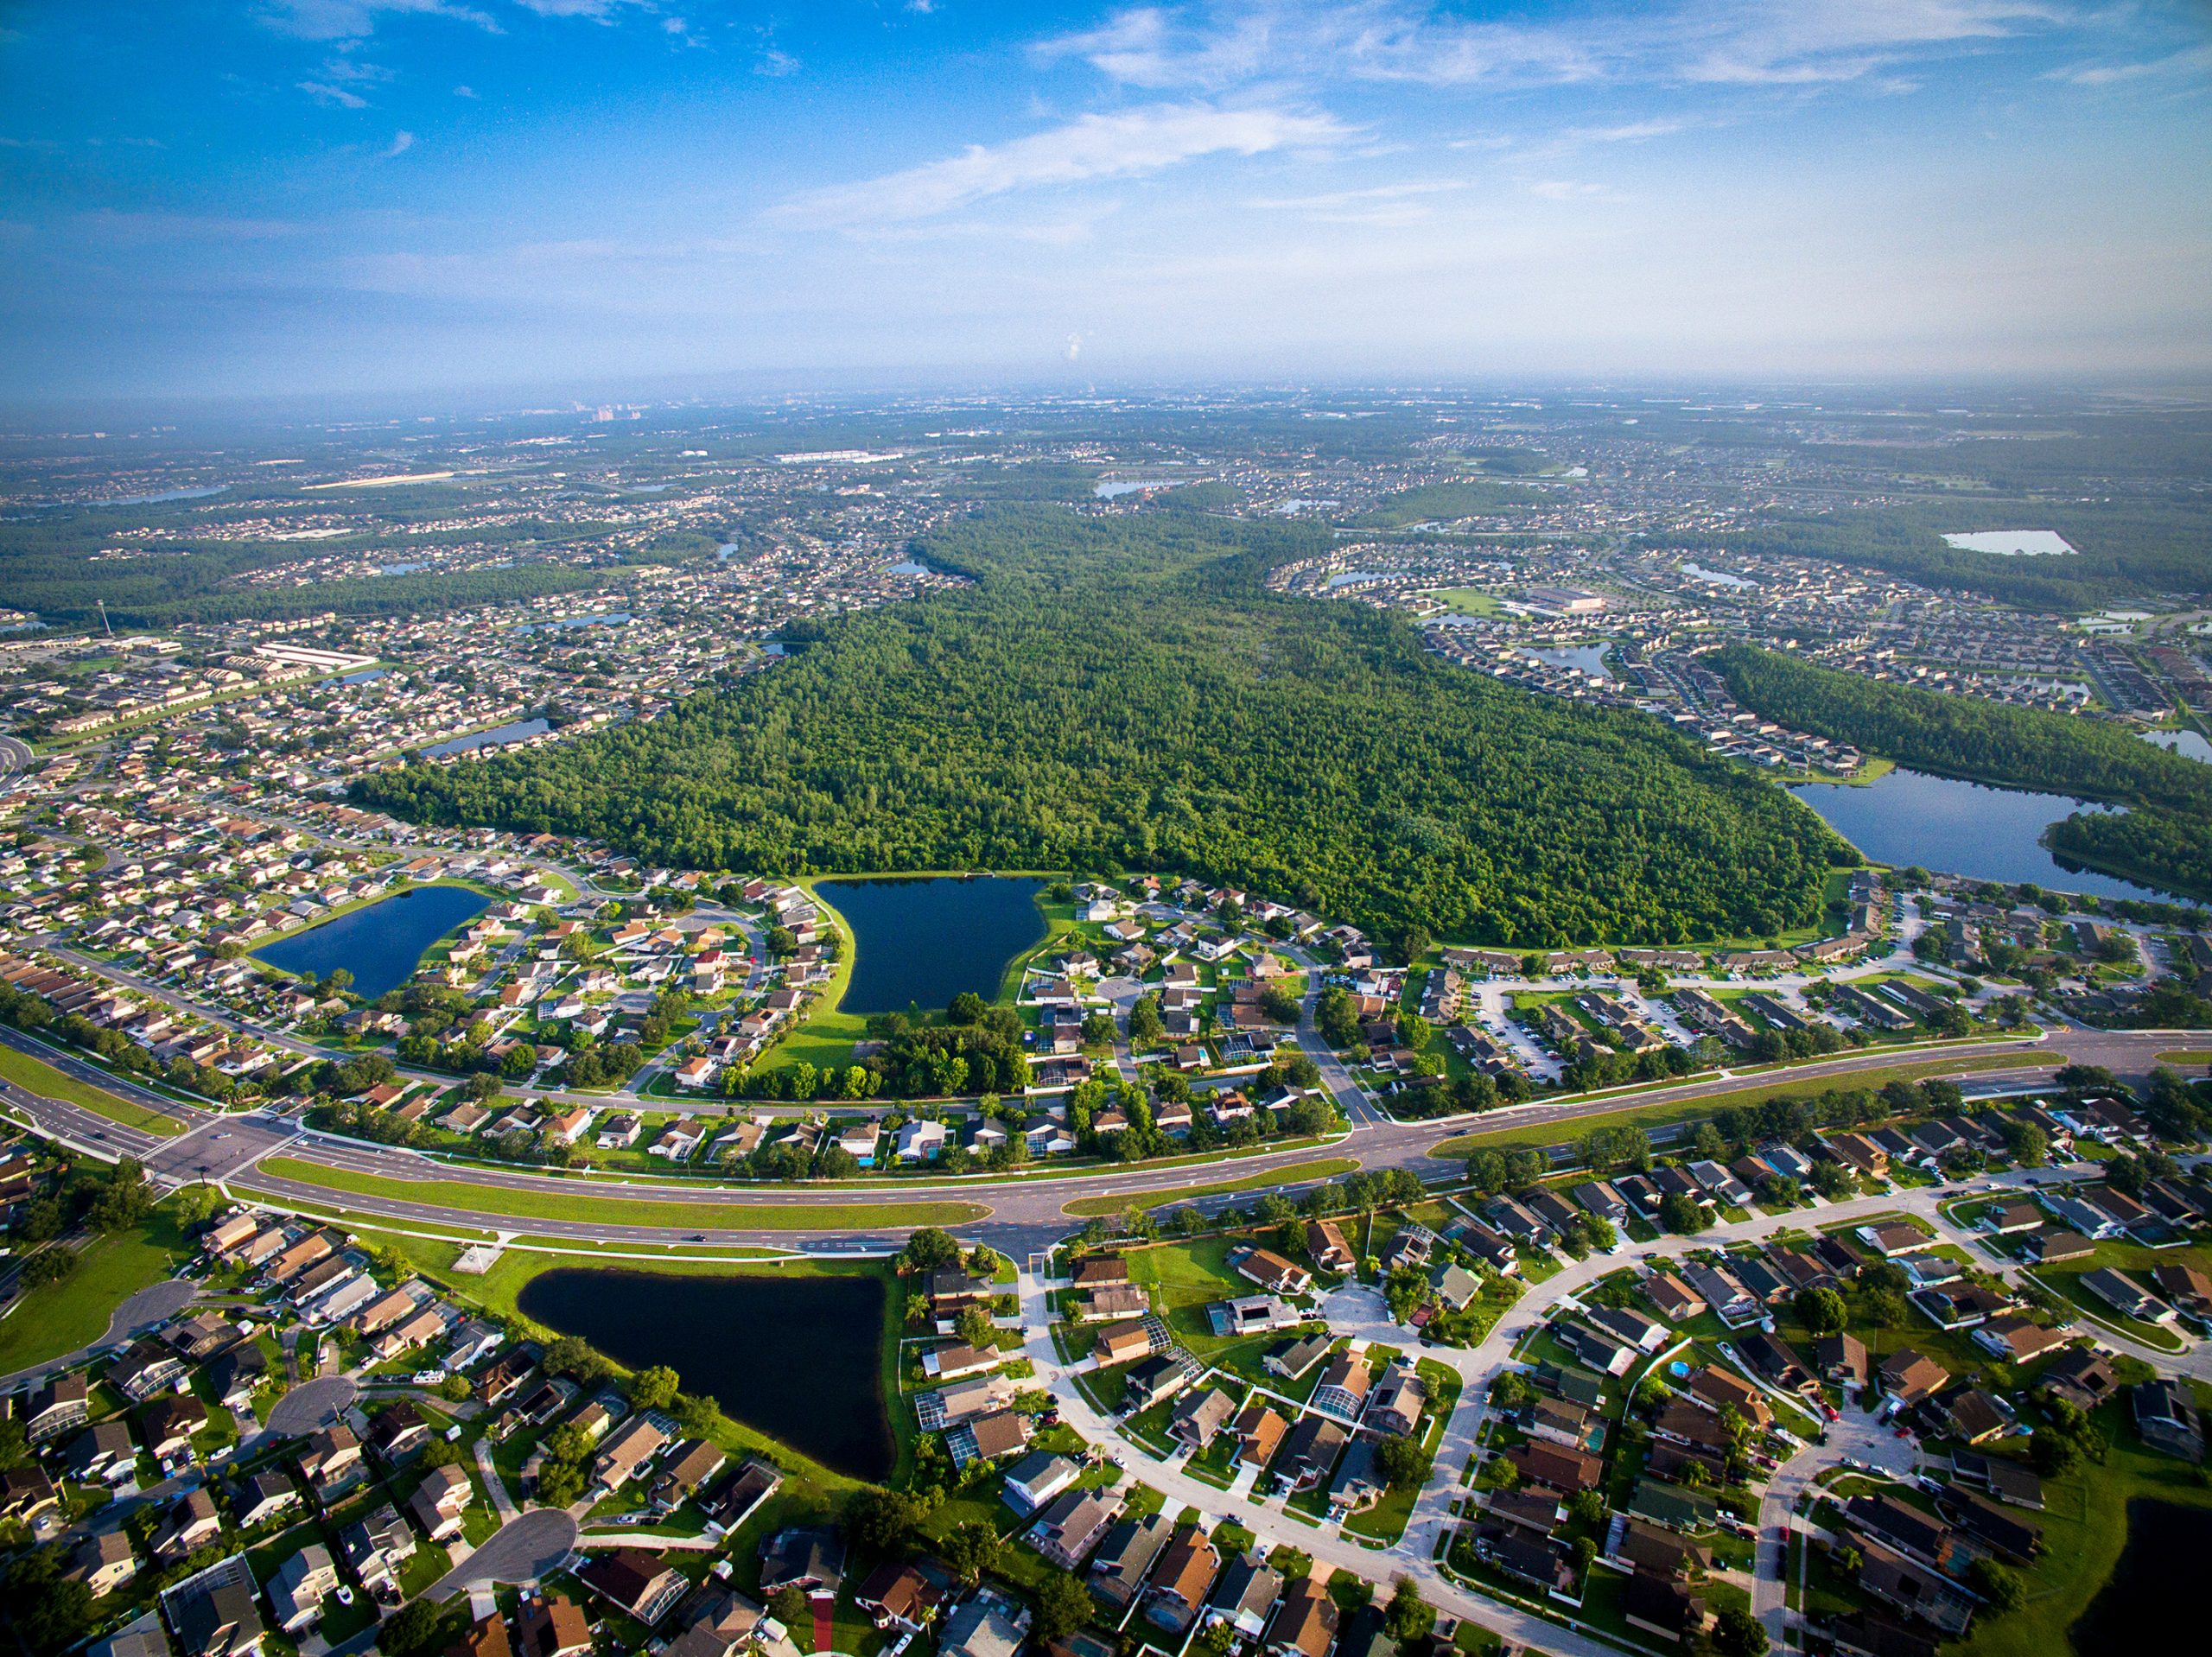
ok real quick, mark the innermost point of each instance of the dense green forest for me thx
(2164, 839)
(1123, 692)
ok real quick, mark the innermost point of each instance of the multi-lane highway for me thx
(1020, 1212)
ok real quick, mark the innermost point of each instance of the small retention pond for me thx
(498, 736)
(921, 942)
(2153, 1598)
(799, 1359)
(382, 944)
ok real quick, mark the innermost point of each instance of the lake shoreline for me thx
(352, 917)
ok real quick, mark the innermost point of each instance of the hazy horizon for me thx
(393, 199)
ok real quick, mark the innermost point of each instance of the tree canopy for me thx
(1126, 693)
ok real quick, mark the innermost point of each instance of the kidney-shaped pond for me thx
(382, 944)
(799, 1359)
(922, 941)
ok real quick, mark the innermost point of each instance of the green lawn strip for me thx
(532, 1205)
(57, 1318)
(1321, 1168)
(35, 1075)
(825, 1039)
(1665, 1111)
(630, 1167)
(2186, 1056)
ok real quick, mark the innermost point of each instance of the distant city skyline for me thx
(340, 197)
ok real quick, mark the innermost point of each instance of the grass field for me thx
(607, 1210)
(37, 1076)
(2186, 1056)
(1468, 601)
(1663, 1109)
(60, 1317)
(1321, 1168)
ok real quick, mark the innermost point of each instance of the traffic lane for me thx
(106, 1081)
(1040, 1204)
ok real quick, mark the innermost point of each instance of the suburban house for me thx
(1072, 1526)
(1270, 1271)
(1179, 1585)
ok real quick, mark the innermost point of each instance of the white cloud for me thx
(598, 11)
(346, 20)
(1229, 43)
(402, 142)
(775, 63)
(1626, 132)
(1073, 349)
(2194, 59)
(338, 96)
(1380, 206)
(1127, 144)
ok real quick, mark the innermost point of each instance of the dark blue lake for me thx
(797, 1358)
(382, 944)
(2152, 1598)
(924, 941)
(1954, 827)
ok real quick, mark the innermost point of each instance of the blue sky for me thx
(269, 196)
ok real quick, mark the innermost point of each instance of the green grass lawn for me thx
(2084, 1527)
(606, 1210)
(2065, 1277)
(1184, 1278)
(34, 1076)
(1321, 1168)
(1468, 601)
(1668, 1110)
(825, 1039)
(59, 1318)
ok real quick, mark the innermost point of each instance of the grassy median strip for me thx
(35, 1075)
(1322, 1168)
(1669, 1109)
(616, 1211)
